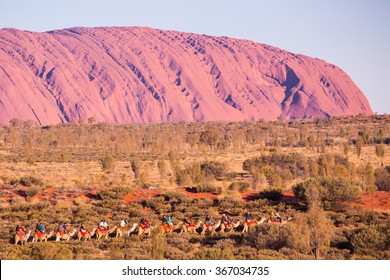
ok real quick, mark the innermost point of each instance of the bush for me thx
(273, 194)
(107, 162)
(371, 240)
(207, 188)
(382, 178)
(115, 193)
(213, 169)
(33, 190)
(287, 166)
(331, 190)
(239, 186)
(29, 181)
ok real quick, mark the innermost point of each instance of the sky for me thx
(352, 34)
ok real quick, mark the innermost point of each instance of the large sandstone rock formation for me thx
(133, 74)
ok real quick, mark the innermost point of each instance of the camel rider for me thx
(226, 219)
(186, 222)
(169, 221)
(209, 220)
(65, 229)
(20, 229)
(276, 217)
(40, 228)
(61, 228)
(82, 229)
(146, 222)
(122, 223)
(164, 220)
(229, 219)
(103, 225)
(248, 217)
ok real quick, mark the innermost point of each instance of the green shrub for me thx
(213, 169)
(274, 194)
(331, 190)
(107, 162)
(207, 188)
(239, 186)
(382, 178)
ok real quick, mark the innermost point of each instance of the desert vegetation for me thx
(329, 177)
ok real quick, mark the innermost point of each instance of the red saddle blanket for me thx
(19, 234)
(84, 232)
(39, 234)
(144, 226)
(102, 229)
(226, 224)
(252, 222)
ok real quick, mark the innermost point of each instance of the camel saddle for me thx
(165, 226)
(84, 232)
(252, 222)
(144, 226)
(190, 225)
(102, 229)
(39, 234)
(18, 234)
(226, 224)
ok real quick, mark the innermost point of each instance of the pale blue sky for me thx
(353, 34)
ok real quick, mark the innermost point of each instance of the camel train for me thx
(142, 229)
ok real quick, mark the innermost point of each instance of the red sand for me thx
(381, 200)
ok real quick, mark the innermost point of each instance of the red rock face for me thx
(132, 74)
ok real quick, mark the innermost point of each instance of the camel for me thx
(166, 229)
(101, 232)
(279, 223)
(145, 230)
(42, 236)
(230, 226)
(210, 228)
(254, 222)
(86, 236)
(22, 238)
(190, 228)
(65, 236)
(122, 230)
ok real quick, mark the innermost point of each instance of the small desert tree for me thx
(107, 162)
(136, 165)
(380, 152)
(320, 226)
(161, 168)
(359, 145)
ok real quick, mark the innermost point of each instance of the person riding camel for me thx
(122, 223)
(144, 222)
(21, 230)
(103, 225)
(39, 228)
(209, 220)
(82, 229)
(169, 221)
(226, 219)
(248, 217)
(147, 222)
(164, 220)
(186, 222)
(276, 217)
(61, 228)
